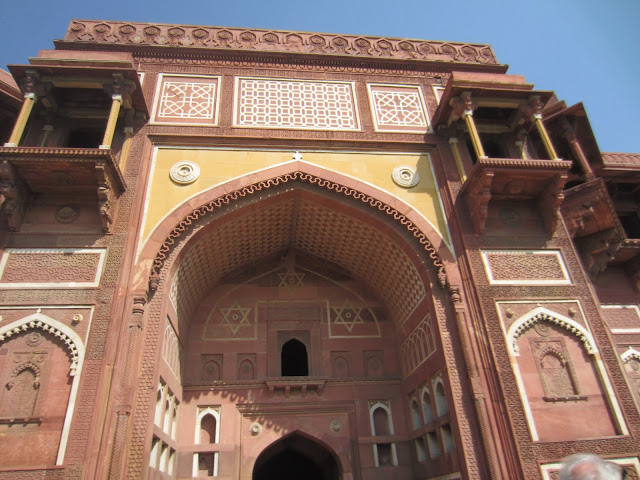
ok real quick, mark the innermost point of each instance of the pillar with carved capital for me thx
(463, 107)
(535, 108)
(570, 135)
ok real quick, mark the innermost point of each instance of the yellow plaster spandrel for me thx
(218, 166)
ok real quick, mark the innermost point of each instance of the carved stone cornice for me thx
(218, 38)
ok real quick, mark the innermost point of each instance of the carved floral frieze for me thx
(277, 41)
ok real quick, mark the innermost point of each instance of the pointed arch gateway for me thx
(297, 456)
(383, 242)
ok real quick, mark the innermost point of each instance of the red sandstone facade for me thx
(263, 254)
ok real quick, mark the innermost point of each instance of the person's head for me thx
(589, 467)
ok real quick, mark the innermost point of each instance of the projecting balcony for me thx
(592, 221)
(515, 179)
(89, 172)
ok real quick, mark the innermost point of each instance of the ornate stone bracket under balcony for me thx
(515, 179)
(85, 171)
(592, 222)
(292, 385)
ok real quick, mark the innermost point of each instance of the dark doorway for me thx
(296, 457)
(294, 360)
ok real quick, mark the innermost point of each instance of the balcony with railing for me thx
(500, 118)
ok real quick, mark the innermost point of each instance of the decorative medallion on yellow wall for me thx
(185, 172)
(405, 176)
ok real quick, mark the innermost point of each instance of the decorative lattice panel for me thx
(270, 103)
(398, 108)
(187, 99)
(59, 267)
(526, 267)
(622, 316)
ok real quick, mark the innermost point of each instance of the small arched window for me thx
(294, 359)
(441, 401)
(427, 409)
(416, 421)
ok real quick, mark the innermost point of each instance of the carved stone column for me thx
(127, 387)
(569, 134)
(534, 112)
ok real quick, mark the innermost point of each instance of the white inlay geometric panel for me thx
(269, 103)
(187, 99)
(398, 108)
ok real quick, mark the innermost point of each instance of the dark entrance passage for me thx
(296, 457)
(294, 359)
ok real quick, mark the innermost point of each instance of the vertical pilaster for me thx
(479, 397)
(127, 394)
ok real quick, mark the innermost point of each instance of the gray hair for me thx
(583, 466)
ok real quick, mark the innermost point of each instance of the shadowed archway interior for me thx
(294, 457)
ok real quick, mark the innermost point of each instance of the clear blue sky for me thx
(584, 50)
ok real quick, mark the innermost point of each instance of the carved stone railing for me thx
(122, 33)
(515, 179)
(86, 171)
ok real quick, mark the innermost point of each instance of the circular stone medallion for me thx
(405, 176)
(185, 172)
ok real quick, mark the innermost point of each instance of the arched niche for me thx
(75, 349)
(561, 376)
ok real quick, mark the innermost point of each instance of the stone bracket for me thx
(15, 194)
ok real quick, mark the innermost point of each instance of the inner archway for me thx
(295, 457)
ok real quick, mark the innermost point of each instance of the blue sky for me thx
(584, 50)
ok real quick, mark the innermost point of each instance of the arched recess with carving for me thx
(265, 206)
(75, 349)
(560, 376)
(542, 314)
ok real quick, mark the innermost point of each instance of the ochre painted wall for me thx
(218, 166)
